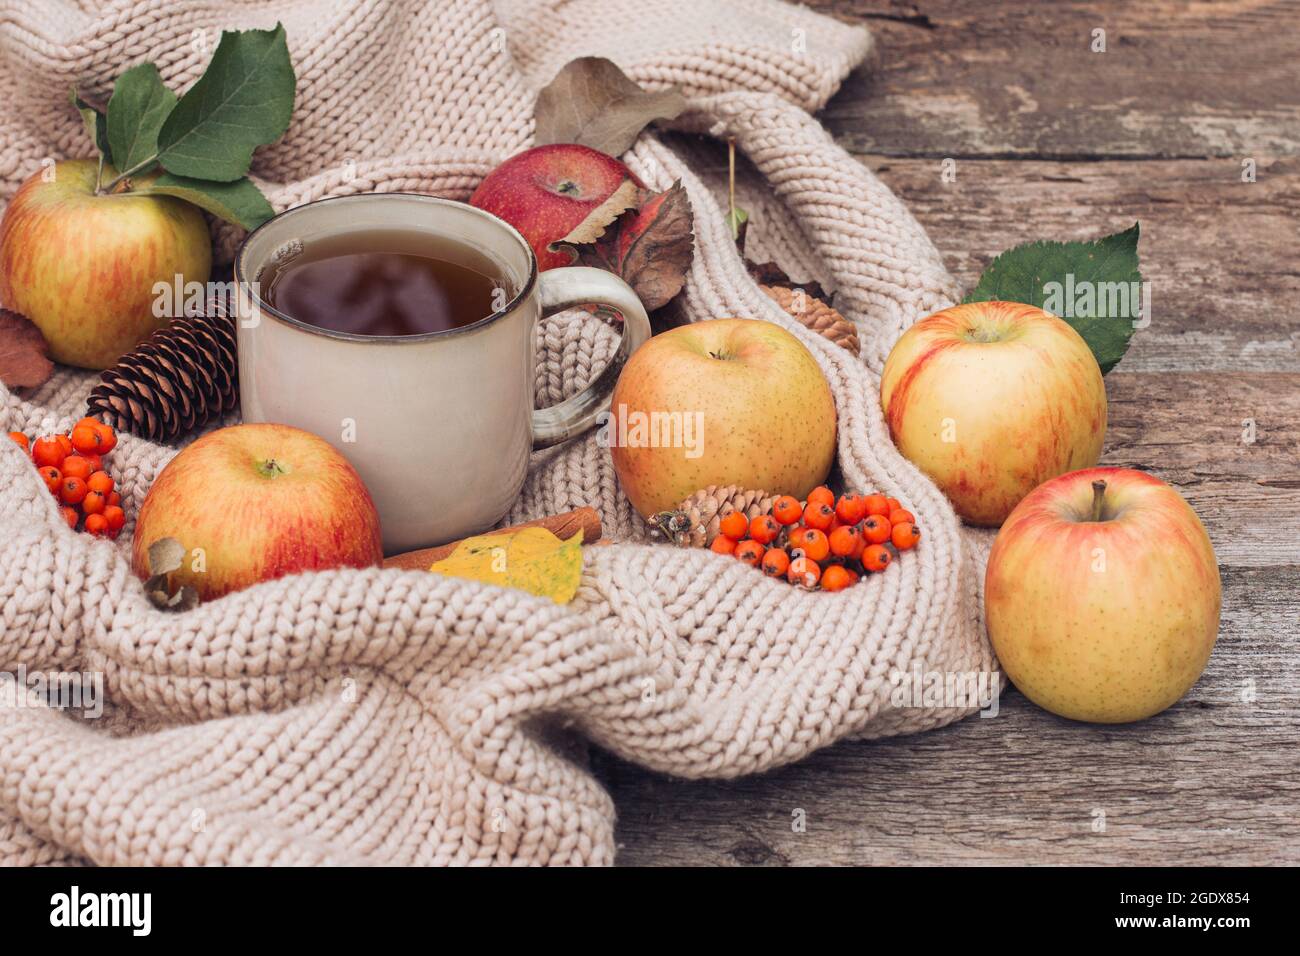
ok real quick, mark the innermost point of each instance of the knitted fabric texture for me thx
(406, 718)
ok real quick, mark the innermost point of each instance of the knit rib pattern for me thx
(387, 717)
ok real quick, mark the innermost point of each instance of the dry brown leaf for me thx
(594, 103)
(599, 219)
(24, 354)
(650, 247)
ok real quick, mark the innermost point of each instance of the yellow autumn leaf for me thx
(530, 559)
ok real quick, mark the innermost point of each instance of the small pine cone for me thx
(816, 315)
(694, 523)
(181, 377)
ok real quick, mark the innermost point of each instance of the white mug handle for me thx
(565, 288)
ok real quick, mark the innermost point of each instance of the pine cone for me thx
(816, 315)
(694, 523)
(181, 377)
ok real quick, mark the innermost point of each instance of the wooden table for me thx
(1053, 140)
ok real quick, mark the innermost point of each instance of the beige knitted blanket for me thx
(406, 718)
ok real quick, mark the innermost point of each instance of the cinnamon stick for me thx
(563, 526)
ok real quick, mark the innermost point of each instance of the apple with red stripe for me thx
(261, 501)
(548, 191)
(990, 399)
(1102, 596)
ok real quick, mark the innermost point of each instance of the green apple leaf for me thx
(239, 202)
(96, 127)
(243, 100)
(140, 105)
(1094, 286)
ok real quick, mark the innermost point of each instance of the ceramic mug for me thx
(439, 425)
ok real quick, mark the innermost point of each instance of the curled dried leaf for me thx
(165, 556)
(24, 353)
(599, 219)
(650, 246)
(594, 103)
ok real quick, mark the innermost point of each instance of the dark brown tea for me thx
(386, 282)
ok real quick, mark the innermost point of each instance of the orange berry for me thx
(70, 516)
(787, 510)
(764, 529)
(72, 491)
(87, 438)
(837, 578)
(52, 477)
(100, 481)
(894, 504)
(114, 498)
(878, 505)
(65, 443)
(108, 438)
(734, 525)
(723, 545)
(96, 462)
(804, 572)
(74, 466)
(814, 544)
(852, 508)
(876, 558)
(905, 535)
(21, 439)
(115, 517)
(876, 529)
(776, 562)
(93, 503)
(822, 495)
(48, 451)
(96, 525)
(845, 540)
(899, 515)
(818, 515)
(750, 552)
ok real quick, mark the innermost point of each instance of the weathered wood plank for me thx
(966, 78)
(1212, 780)
(1230, 443)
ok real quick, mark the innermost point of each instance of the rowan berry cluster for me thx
(820, 543)
(72, 467)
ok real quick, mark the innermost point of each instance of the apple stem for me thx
(122, 177)
(271, 468)
(1098, 499)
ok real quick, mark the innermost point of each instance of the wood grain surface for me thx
(1052, 140)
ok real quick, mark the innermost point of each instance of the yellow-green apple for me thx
(1102, 595)
(83, 266)
(722, 402)
(260, 501)
(990, 399)
(547, 191)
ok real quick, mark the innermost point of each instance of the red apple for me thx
(722, 402)
(260, 501)
(545, 192)
(991, 399)
(1102, 595)
(83, 267)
